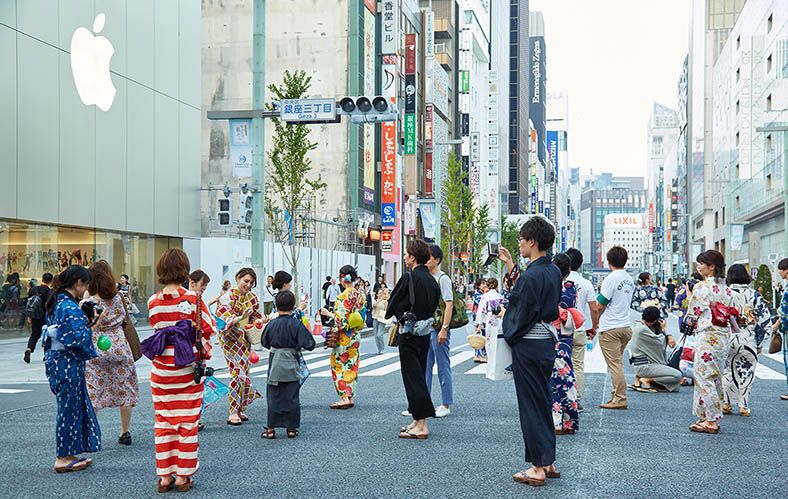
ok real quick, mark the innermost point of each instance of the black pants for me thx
(413, 359)
(35, 335)
(532, 367)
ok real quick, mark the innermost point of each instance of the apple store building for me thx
(99, 139)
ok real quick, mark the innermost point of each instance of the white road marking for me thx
(764, 372)
(368, 361)
(11, 391)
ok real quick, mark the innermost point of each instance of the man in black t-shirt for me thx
(37, 323)
(670, 293)
(327, 285)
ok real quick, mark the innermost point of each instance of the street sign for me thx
(308, 110)
(386, 241)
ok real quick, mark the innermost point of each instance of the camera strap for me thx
(198, 332)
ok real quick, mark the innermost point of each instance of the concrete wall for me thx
(316, 41)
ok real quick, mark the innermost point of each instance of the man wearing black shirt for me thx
(37, 324)
(533, 305)
(327, 285)
(670, 294)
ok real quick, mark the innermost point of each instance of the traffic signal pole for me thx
(258, 138)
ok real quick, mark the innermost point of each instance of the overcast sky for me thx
(613, 58)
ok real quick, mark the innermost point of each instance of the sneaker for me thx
(442, 411)
(579, 407)
(406, 413)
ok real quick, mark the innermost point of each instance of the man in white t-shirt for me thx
(611, 320)
(586, 298)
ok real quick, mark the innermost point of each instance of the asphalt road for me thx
(646, 451)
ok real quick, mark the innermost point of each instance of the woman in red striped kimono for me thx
(176, 397)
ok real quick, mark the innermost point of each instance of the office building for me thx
(519, 179)
(626, 230)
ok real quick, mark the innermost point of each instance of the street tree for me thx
(456, 210)
(290, 188)
(509, 237)
(481, 222)
(763, 283)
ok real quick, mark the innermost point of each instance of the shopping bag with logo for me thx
(499, 357)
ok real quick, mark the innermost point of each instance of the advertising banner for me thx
(737, 236)
(368, 180)
(410, 54)
(410, 134)
(389, 32)
(241, 147)
(428, 116)
(386, 241)
(465, 82)
(429, 35)
(427, 212)
(410, 93)
(552, 149)
(388, 176)
(428, 192)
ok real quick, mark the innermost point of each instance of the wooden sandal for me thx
(163, 489)
(75, 465)
(700, 428)
(522, 477)
(268, 434)
(185, 487)
(292, 433)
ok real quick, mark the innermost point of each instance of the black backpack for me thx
(34, 307)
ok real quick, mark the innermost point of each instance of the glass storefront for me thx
(30, 250)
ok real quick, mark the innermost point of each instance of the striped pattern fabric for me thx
(176, 398)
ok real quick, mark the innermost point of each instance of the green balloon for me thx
(104, 343)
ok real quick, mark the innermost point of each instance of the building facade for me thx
(519, 179)
(626, 230)
(100, 137)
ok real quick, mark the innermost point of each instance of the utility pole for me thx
(258, 137)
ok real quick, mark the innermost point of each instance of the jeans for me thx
(381, 339)
(440, 354)
(785, 355)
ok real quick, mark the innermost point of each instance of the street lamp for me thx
(784, 129)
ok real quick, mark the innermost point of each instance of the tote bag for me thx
(499, 357)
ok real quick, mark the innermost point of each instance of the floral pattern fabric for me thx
(237, 348)
(112, 377)
(346, 356)
(565, 415)
(711, 347)
(650, 296)
(680, 304)
(487, 316)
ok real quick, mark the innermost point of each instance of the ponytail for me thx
(66, 279)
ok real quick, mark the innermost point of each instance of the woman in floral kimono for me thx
(739, 372)
(487, 319)
(647, 295)
(565, 416)
(238, 309)
(68, 344)
(712, 339)
(345, 357)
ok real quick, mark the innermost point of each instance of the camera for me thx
(201, 371)
(91, 310)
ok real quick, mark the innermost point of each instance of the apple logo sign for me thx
(90, 56)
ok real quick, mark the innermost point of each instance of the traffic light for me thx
(363, 109)
(245, 208)
(225, 211)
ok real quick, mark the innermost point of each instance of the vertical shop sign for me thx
(389, 32)
(388, 177)
(368, 179)
(241, 147)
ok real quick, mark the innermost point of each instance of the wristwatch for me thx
(445, 326)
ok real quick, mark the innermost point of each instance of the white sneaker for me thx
(406, 413)
(442, 411)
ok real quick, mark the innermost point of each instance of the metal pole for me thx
(258, 136)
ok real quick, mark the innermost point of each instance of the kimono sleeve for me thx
(208, 328)
(73, 331)
(699, 299)
(255, 304)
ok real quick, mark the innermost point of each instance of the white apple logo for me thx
(90, 56)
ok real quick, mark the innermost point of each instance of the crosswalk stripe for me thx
(764, 372)
(368, 361)
(11, 391)
(456, 359)
(775, 356)
(480, 369)
(264, 367)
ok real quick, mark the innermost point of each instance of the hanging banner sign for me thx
(428, 127)
(429, 37)
(465, 82)
(386, 241)
(410, 134)
(428, 174)
(410, 93)
(389, 81)
(410, 54)
(241, 147)
(388, 176)
(389, 31)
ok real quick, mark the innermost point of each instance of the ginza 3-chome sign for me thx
(90, 58)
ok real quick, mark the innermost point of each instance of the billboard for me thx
(388, 176)
(624, 221)
(538, 93)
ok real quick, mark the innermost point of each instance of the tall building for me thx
(519, 180)
(557, 149)
(750, 82)
(626, 230)
(711, 24)
(604, 195)
(661, 166)
(100, 137)
(679, 218)
(542, 169)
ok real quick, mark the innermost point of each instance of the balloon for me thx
(305, 321)
(254, 358)
(355, 321)
(103, 343)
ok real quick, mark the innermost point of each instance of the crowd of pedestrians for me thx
(546, 312)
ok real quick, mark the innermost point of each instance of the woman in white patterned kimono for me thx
(739, 372)
(712, 340)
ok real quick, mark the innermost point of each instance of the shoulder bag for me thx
(394, 332)
(675, 356)
(776, 343)
(132, 337)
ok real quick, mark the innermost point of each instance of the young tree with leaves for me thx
(763, 284)
(456, 210)
(289, 190)
(481, 222)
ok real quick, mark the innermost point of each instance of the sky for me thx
(613, 58)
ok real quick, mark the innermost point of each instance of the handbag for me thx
(332, 338)
(688, 325)
(675, 356)
(394, 335)
(776, 343)
(254, 334)
(132, 337)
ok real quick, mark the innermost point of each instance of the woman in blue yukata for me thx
(68, 344)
